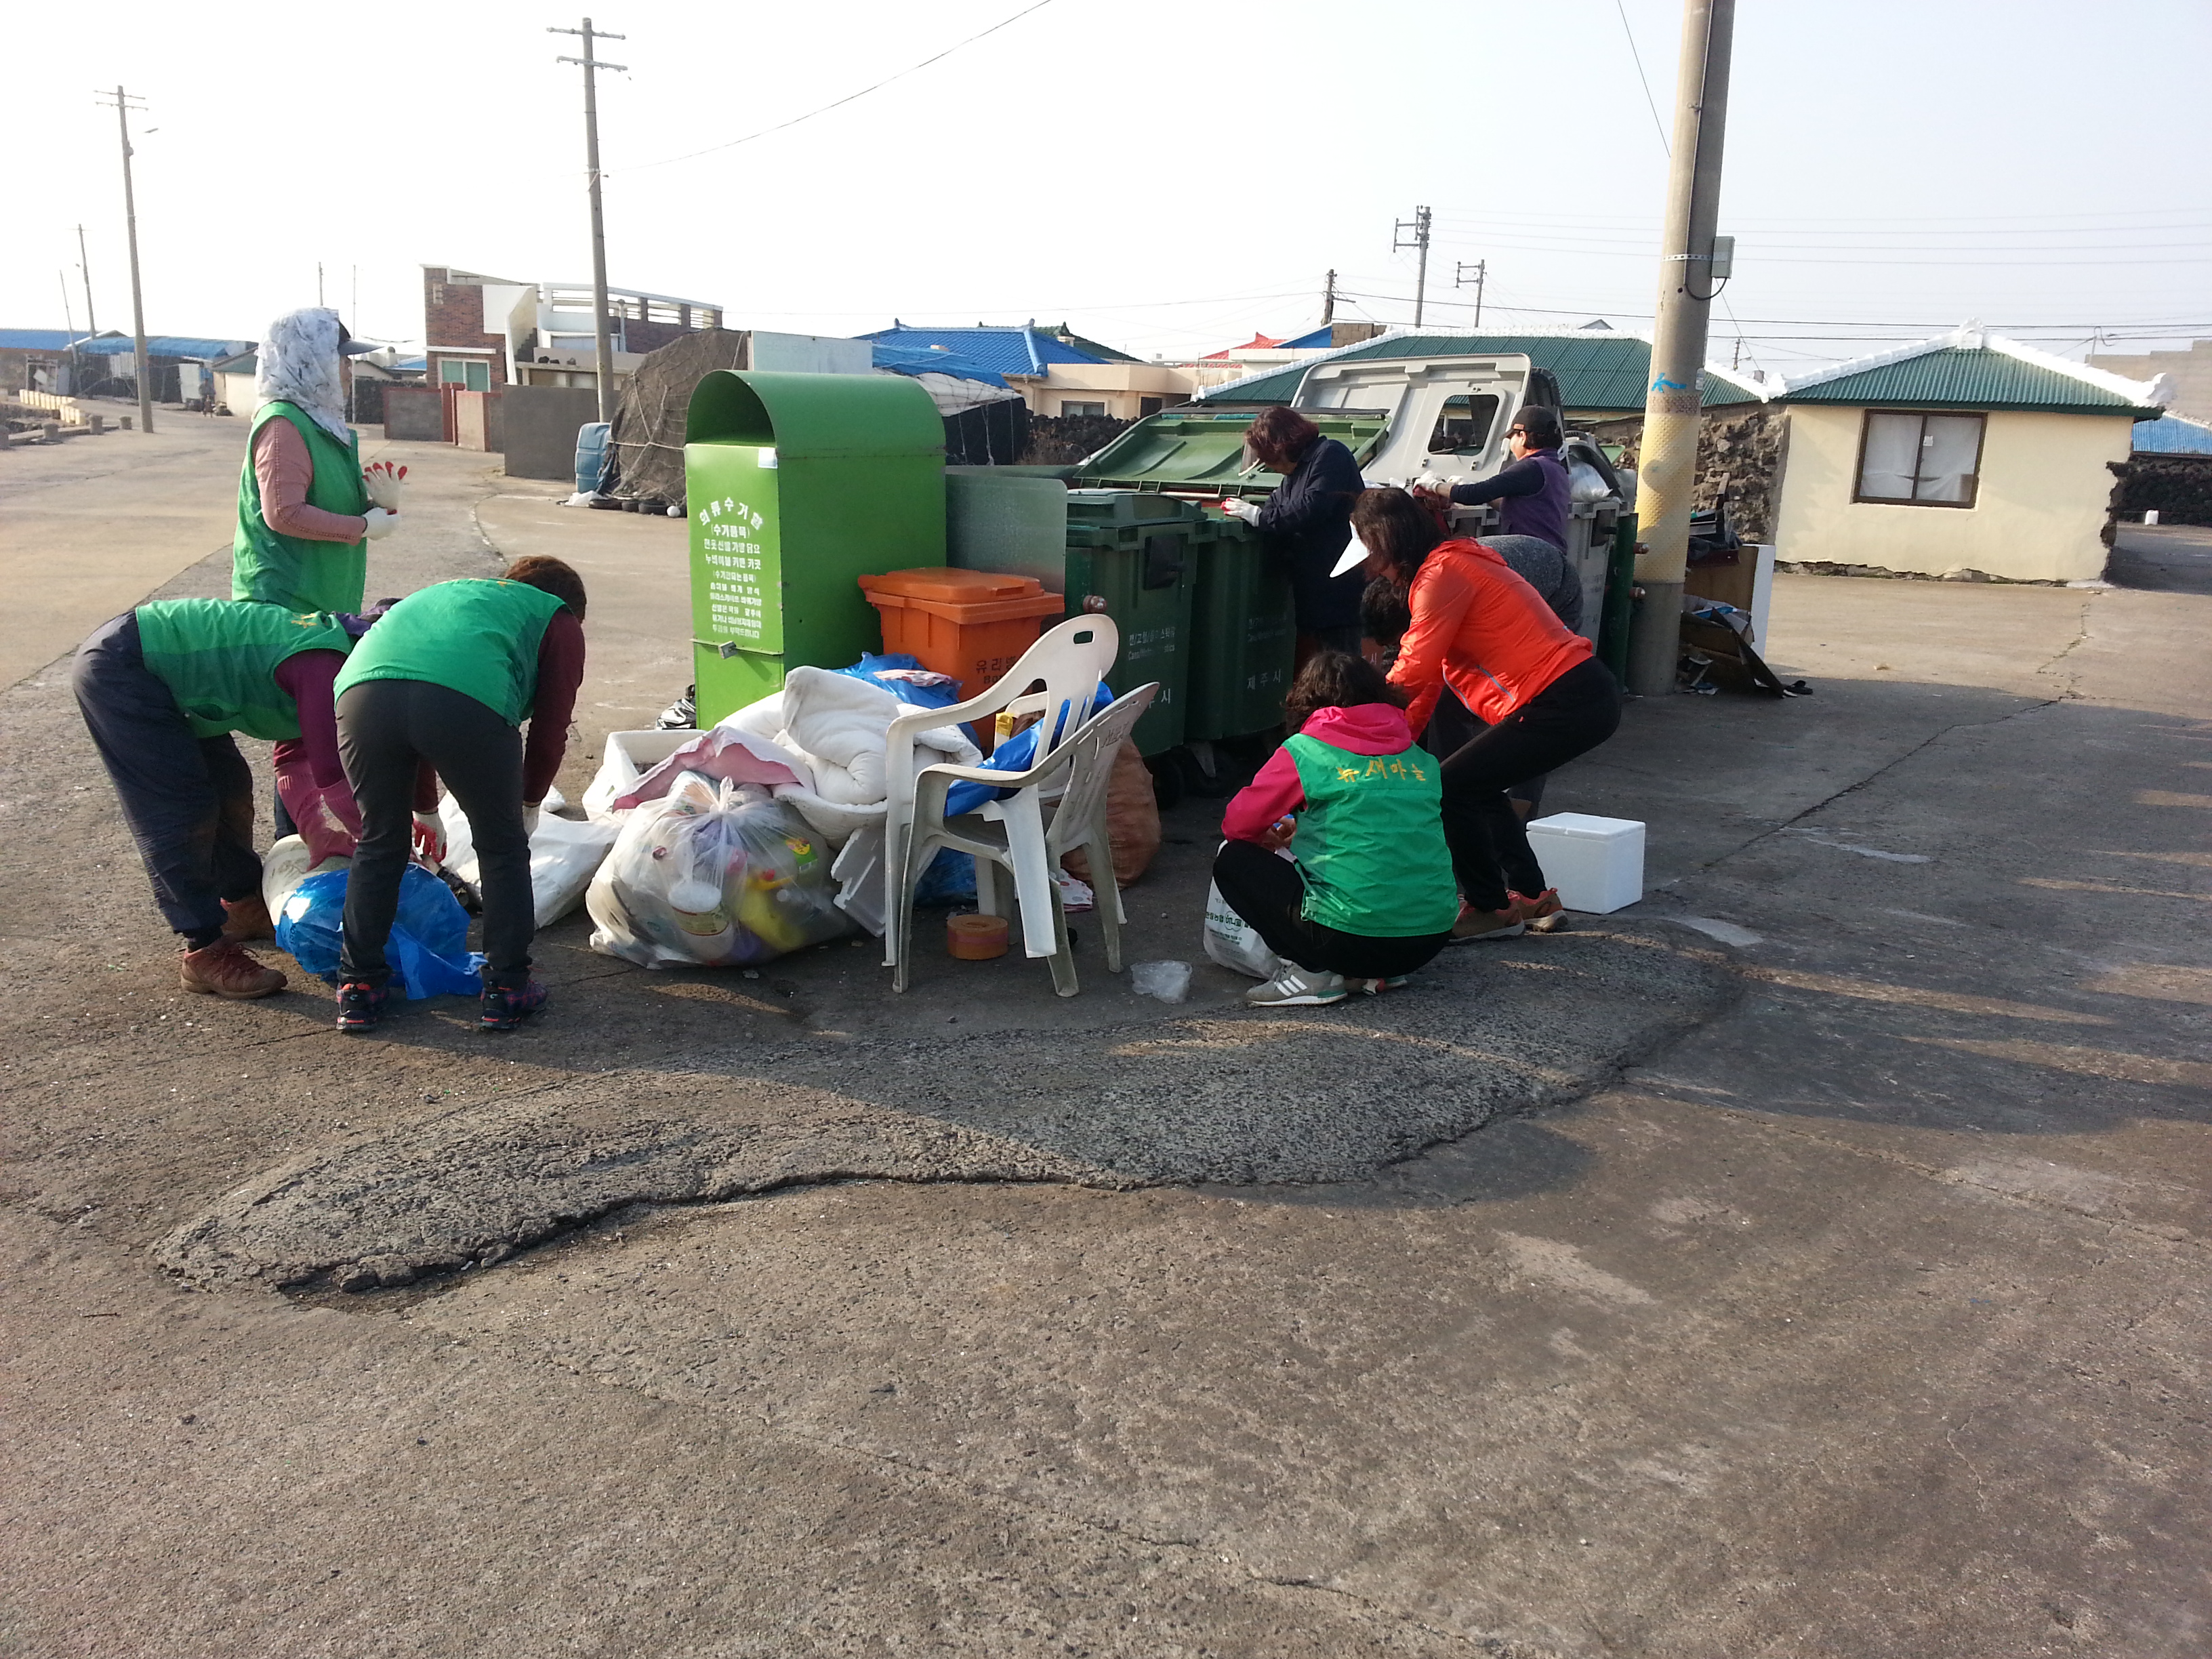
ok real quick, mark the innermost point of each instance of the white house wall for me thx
(2038, 514)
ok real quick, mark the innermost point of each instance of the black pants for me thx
(1571, 716)
(189, 801)
(386, 728)
(1270, 893)
(1452, 726)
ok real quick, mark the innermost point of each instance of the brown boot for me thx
(247, 919)
(224, 969)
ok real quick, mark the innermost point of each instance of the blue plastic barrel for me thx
(591, 456)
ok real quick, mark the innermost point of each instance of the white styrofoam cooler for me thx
(1597, 864)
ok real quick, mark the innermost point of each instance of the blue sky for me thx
(1171, 175)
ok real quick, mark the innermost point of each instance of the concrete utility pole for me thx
(1668, 458)
(84, 269)
(1420, 226)
(600, 334)
(1460, 279)
(124, 104)
(1329, 301)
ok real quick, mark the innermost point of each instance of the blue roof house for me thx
(1058, 374)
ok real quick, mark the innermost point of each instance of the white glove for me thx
(1247, 511)
(529, 817)
(378, 523)
(430, 839)
(382, 480)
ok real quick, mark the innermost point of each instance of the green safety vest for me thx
(220, 659)
(1371, 841)
(289, 570)
(477, 637)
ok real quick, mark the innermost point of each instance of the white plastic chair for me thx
(1068, 663)
(1058, 805)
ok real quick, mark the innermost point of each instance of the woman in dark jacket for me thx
(1307, 523)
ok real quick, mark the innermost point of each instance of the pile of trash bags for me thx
(803, 766)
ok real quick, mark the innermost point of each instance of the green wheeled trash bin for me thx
(797, 485)
(1133, 557)
(1243, 636)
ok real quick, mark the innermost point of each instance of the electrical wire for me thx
(1637, 59)
(691, 156)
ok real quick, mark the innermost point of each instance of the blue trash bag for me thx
(428, 949)
(886, 672)
(950, 880)
(1016, 754)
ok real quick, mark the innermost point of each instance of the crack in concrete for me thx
(2082, 633)
(1944, 1175)
(1879, 772)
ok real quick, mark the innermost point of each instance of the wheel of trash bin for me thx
(1168, 786)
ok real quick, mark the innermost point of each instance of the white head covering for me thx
(299, 366)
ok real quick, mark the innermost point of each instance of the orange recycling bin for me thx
(971, 624)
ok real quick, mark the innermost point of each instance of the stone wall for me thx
(2177, 488)
(1063, 439)
(1739, 451)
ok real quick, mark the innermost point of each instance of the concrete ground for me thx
(1809, 1260)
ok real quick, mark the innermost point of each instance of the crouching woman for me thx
(1371, 897)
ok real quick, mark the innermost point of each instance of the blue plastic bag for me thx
(1016, 754)
(428, 949)
(890, 672)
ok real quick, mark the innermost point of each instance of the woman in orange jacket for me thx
(1481, 630)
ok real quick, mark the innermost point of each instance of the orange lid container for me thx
(971, 624)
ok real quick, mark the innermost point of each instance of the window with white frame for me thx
(1919, 458)
(1096, 410)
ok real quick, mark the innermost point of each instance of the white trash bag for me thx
(564, 855)
(714, 873)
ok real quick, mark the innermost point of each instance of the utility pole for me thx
(1329, 301)
(125, 103)
(1668, 454)
(69, 321)
(1420, 226)
(84, 269)
(1459, 279)
(601, 336)
(318, 281)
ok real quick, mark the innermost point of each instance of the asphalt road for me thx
(1807, 1261)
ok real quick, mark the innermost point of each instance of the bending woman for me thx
(1480, 628)
(1306, 524)
(447, 678)
(1370, 897)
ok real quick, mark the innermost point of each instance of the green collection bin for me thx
(797, 485)
(1135, 558)
(1243, 637)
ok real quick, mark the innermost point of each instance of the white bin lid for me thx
(1584, 824)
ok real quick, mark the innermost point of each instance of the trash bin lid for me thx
(973, 596)
(947, 586)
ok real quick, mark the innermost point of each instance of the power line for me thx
(1637, 58)
(850, 97)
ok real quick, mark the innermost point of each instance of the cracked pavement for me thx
(1809, 1260)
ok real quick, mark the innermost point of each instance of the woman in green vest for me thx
(304, 515)
(163, 688)
(1370, 897)
(446, 680)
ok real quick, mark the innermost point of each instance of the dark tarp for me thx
(645, 450)
(989, 434)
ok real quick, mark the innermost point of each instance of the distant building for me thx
(2191, 371)
(1966, 453)
(485, 333)
(1058, 374)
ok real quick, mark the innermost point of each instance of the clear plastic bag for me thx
(714, 873)
(1234, 942)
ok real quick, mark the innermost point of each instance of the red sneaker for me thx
(1543, 914)
(223, 969)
